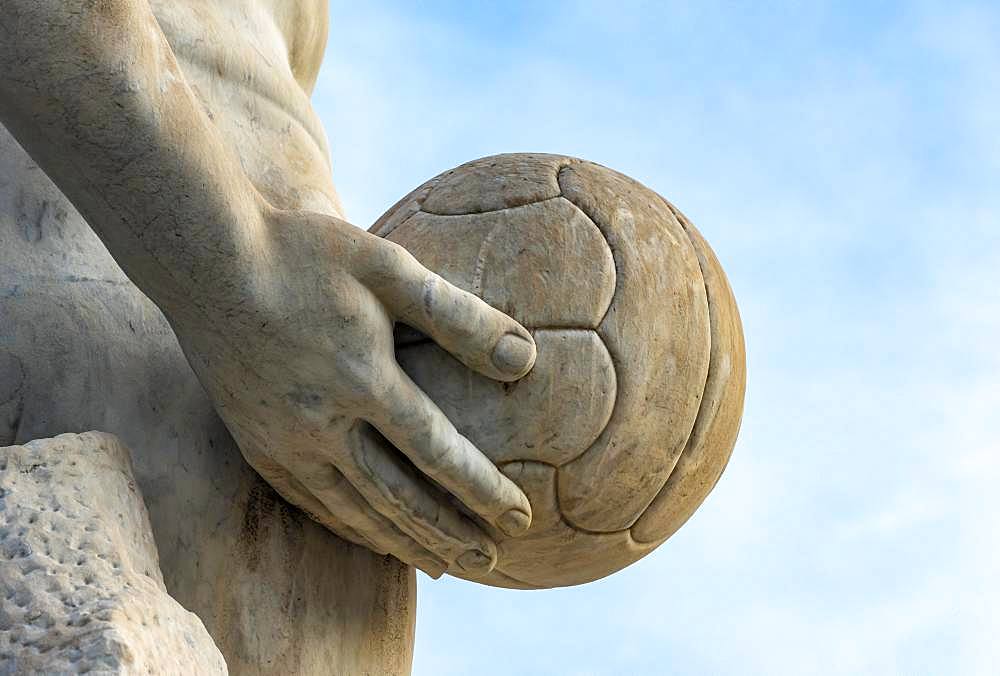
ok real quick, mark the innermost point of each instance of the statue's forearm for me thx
(92, 91)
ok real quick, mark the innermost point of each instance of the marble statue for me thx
(197, 349)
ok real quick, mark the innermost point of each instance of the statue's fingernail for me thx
(513, 354)
(475, 562)
(514, 522)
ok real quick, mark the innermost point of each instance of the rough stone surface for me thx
(632, 409)
(80, 584)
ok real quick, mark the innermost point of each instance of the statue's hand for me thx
(304, 375)
(286, 317)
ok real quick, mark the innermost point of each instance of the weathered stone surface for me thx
(80, 583)
(631, 411)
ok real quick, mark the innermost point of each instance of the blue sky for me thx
(843, 159)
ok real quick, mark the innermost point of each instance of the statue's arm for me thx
(91, 89)
(285, 316)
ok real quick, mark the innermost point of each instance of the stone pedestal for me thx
(80, 582)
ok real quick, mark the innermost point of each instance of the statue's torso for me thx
(252, 64)
(81, 348)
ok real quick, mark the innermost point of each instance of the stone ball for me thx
(630, 414)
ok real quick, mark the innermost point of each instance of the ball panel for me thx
(545, 251)
(538, 481)
(493, 183)
(551, 415)
(450, 246)
(498, 579)
(657, 331)
(718, 423)
(401, 210)
(519, 259)
(563, 556)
